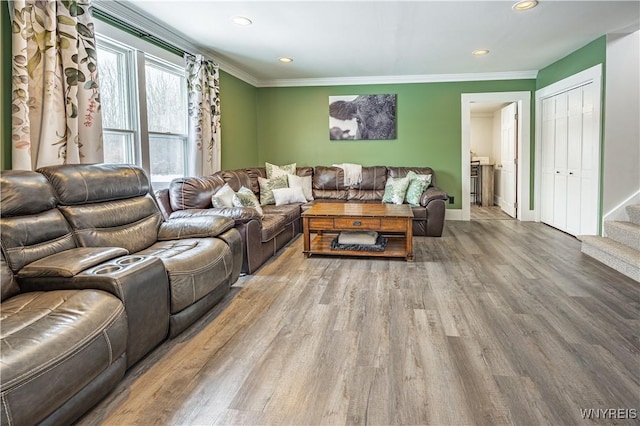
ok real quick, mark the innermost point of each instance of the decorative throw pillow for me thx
(417, 185)
(288, 196)
(223, 197)
(395, 189)
(302, 182)
(246, 198)
(275, 171)
(268, 185)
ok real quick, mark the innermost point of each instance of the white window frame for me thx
(130, 80)
(141, 52)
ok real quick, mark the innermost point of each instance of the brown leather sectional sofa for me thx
(93, 278)
(263, 237)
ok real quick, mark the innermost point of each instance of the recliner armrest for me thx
(238, 214)
(194, 227)
(69, 263)
(432, 193)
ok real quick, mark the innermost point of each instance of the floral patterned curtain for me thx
(56, 115)
(204, 115)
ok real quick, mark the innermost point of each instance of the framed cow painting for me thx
(362, 117)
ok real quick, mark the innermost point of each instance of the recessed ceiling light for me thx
(525, 5)
(480, 52)
(285, 60)
(241, 20)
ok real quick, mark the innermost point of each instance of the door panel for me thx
(508, 143)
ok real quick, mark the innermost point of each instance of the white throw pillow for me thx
(223, 197)
(288, 196)
(302, 182)
(275, 171)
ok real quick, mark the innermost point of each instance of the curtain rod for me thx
(137, 32)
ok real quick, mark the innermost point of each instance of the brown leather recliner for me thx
(110, 205)
(61, 350)
(91, 286)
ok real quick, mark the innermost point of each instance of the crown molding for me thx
(130, 14)
(133, 16)
(398, 79)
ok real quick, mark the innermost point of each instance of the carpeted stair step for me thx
(634, 213)
(613, 254)
(626, 233)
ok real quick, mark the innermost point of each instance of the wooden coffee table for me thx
(328, 219)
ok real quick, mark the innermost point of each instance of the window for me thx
(166, 88)
(144, 109)
(118, 118)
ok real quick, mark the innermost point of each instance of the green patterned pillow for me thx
(417, 185)
(268, 185)
(395, 189)
(275, 171)
(246, 198)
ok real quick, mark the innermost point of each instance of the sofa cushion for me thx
(236, 178)
(254, 173)
(328, 183)
(25, 192)
(132, 224)
(53, 344)
(291, 212)
(196, 266)
(272, 225)
(402, 172)
(91, 183)
(194, 192)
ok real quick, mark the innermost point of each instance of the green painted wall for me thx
(5, 87)
(239, 123)
(591, 54)
(293, 126)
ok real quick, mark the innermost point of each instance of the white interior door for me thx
(509, 148)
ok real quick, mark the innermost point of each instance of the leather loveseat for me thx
(93, 278)
(263, 236)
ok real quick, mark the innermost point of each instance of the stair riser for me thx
(634, 214)
(631, 271)
(628, 237)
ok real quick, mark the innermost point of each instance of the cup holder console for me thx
(129, 260)
(108, 269)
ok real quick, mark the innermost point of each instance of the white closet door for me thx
(560, 163)
(570, 152)
(547, 160)
(574, 160)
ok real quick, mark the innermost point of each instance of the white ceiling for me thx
(378, 39)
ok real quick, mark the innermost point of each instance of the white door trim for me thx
(590, 75)
(524, 148)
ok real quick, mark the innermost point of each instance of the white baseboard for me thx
(453, 214)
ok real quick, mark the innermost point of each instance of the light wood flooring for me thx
(497, 322)
(488, 213)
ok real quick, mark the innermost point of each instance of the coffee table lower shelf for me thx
(396, 247)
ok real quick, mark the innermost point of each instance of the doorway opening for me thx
(516, 170)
